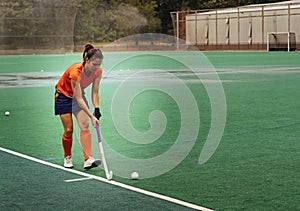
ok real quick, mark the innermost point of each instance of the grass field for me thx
(254, 167)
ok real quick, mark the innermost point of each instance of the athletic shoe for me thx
(68, 162)
(91, 163)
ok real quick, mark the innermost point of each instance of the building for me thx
(251, 27)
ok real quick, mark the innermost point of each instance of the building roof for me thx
(282, 3)
(254, 7)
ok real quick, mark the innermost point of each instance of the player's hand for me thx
(97, 113)
(95, 121)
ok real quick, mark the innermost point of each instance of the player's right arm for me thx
(78, 96)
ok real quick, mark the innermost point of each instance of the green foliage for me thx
(15, 10)
(106, 21)
(44, 23)
(37, 23)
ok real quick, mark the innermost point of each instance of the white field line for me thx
(90, 176)
(78, 180)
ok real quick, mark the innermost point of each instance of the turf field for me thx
(254, 165)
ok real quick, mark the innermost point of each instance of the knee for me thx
(85, 125)
(69, 132)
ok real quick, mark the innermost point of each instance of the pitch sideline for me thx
(90, 176)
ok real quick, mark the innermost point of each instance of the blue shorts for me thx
(65, 105)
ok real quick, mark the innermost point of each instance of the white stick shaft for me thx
(103, 160)
(107, 173)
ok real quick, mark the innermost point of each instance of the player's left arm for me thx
(95, 96)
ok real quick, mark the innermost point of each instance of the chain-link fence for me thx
(36, 27)
(62, 26)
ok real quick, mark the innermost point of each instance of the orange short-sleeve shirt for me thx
(76, 72)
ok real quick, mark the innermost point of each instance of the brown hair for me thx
(90, 53)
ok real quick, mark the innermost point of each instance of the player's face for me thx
(92, 65)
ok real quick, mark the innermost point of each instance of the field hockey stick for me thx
(109, 174)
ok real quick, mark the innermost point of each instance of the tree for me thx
(36, 24)
(138, 16)
(107, 21)
(164, 8)
(15, 21)
(54, 23)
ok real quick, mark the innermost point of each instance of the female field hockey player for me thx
(70, 100)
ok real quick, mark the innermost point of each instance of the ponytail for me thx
(90, 51)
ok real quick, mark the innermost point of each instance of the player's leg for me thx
(67, 138)
(86, 140)
(85, 135)
(63, 108)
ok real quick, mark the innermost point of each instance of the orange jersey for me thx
(76, 72)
